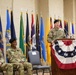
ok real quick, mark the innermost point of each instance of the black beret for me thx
(57, 20)
(12, 39)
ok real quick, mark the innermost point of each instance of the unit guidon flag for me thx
(64, 52)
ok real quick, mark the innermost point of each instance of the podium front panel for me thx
(62, 69)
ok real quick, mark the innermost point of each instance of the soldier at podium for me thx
(56, 32)
(59, 53)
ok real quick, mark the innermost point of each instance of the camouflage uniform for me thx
(55, 34)
(16, 56)
(5, 66)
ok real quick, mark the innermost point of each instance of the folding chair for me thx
(34, 59)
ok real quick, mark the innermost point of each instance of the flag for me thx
(48, 48)
(1, 36)
(60, 24)
(42, 39)
(27, 36)
(21, 43)
(8, 32)
(13, 34)
(33, 36)
(66, 28)
(37, 36)
(72, 28)
(51, 26)
(64, 52)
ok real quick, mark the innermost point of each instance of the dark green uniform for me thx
(5, 66)
(16, 56)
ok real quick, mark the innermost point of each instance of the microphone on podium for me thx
(67, 34)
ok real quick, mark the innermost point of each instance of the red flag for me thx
(33, 36)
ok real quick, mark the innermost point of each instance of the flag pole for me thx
(12, 4)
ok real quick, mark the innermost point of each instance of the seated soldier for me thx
(15, 56)
(5, 66)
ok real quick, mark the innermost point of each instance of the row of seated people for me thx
(16, 60)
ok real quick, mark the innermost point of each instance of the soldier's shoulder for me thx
(18, 48)
(52, 29)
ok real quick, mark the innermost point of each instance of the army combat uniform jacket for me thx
(55, 34)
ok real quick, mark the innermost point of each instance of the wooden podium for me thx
(57, 71)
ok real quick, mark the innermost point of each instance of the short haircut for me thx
(57, 20)
(12, 39)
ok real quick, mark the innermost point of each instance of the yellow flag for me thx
(48, 48)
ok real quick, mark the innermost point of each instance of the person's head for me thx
(13, 42)
(57, 23)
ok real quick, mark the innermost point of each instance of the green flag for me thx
(21, 44)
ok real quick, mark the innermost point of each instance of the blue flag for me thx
(8, 33)
(1, 36)
(42, 39)
(72, 28)
(13, 34)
